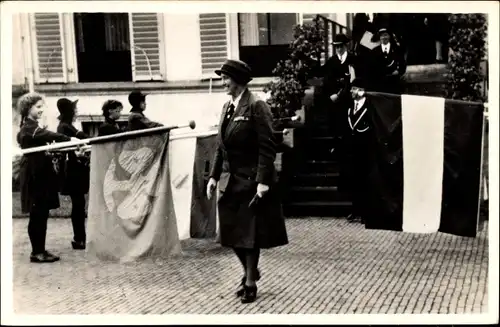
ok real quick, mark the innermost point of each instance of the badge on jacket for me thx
(241, 118)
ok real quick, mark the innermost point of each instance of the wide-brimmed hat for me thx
(238, 70)
(340, 39)
(66, 107)
(136, 97)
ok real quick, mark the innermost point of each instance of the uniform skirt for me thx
(259, 226)
(37, 176)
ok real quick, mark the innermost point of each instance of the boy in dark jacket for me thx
(111, 110)
(137, 120)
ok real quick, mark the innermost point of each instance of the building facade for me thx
(94, 57)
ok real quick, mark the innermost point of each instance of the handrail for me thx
(331, 28)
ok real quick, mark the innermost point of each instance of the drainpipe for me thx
(27, 50)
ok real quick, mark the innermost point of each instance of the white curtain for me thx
(249, 27)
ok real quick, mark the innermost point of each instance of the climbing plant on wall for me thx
(466, 78)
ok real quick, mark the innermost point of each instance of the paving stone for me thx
(330, 267)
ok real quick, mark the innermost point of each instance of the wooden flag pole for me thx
(106, 138)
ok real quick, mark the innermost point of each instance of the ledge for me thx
(188, 86)
(426, 73)
(414, 74)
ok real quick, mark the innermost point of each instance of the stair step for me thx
(303, 194)
(322, 138)
(321, 203)
(321, 166)
(315, 188)
(316, 179)
(320, 147)
(317, 209)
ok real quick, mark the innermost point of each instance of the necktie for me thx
(229, 113)
(356, 104)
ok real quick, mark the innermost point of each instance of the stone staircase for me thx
(314, 180)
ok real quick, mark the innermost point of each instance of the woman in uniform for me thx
(76, 176)
(39, 193)
(250, 212)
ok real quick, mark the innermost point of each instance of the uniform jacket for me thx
(137, 121)
(359, 146)
(37, 174)
(109, 127)
(244, 157)
(74, 172)
(388, 63)
(337, 76)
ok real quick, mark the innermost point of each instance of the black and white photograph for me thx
(249, 162)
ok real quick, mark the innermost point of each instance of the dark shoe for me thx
(43, 257)
(241, 288)
(78, 245)
(249, 295)
(52, 256)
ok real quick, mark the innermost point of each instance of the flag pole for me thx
(106, 138)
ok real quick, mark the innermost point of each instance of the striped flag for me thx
(427, 168)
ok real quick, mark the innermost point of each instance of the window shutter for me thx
(145, 46)
(214, 47)
(49, 48)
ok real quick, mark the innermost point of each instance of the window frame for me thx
(270, 47)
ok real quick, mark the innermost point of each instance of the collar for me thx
(387, 46)
(137, 111)
(360, 102)
(343, 57)
(30, 121)
(109, 120)
(236, 101)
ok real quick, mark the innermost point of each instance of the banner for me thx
(131, 213)
(190, 157)
(425, 176)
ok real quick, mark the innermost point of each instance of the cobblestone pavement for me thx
(330, 266)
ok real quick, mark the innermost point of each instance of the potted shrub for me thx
(287, 92)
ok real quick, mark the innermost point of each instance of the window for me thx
(265, 35)
(102, 47)
(108, 47)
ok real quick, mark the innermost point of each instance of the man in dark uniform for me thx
(136, 119)
(111, 110)
(338, 72)
(389, 64)
(360, 147)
